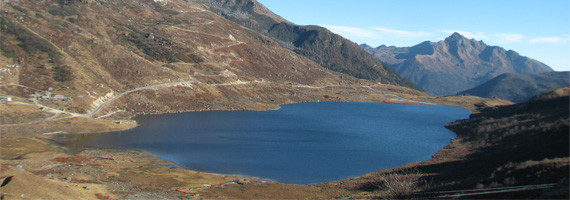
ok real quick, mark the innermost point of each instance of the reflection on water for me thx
(300, 143)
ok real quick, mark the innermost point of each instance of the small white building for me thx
(5, 99)
(61, 97)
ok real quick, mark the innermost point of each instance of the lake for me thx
(299, 143)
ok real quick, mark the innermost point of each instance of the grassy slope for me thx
(520, 87)
(520, 144)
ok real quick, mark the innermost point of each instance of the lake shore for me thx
(29, 154)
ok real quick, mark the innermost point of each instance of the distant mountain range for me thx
(454, 64)
(520, 87)
(327, 49)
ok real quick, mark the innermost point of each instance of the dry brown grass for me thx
(74, 159)
(103, 197)
(402, 184)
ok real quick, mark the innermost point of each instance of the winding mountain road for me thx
(96, 110)
(99, 105)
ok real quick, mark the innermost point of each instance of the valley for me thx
(89, 66)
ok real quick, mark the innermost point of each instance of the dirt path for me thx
(100, 106)
(150, 87)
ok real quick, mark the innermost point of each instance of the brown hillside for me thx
(85, 66)
(316, 43)
(116, 59)
(94, 51)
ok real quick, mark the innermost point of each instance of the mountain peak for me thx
(243, 9)
(364, 45)
(455, 37)
(464, 62)
(326, 48)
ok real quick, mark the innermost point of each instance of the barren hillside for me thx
(119, 58)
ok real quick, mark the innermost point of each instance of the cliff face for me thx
(316, 43)
(454, 64)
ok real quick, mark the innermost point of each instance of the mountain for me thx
(86, 66)
(454, 64)
(519, 87)
(113, 59)
(329, 50)
(133, 57)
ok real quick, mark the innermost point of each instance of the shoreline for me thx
(123, 168)
(174, 161)
(153, 156)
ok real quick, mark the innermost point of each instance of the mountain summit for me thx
(454, 64)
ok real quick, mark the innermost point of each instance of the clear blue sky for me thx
(539, 29)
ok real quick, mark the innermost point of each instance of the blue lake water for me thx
(299, 143)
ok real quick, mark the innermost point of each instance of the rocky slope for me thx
(519, 87)
(327, 49)
(454, 64)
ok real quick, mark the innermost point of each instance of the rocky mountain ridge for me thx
(454, 64)
(320, 45)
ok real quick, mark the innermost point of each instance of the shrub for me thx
(160, 48)
(30, 42)
(5, 47)
(402, 184)
(62, 73)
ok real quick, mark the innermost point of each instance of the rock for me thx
(186, 190)
(242, 181)
(206, 186)
(87, 187)
(6, 181)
